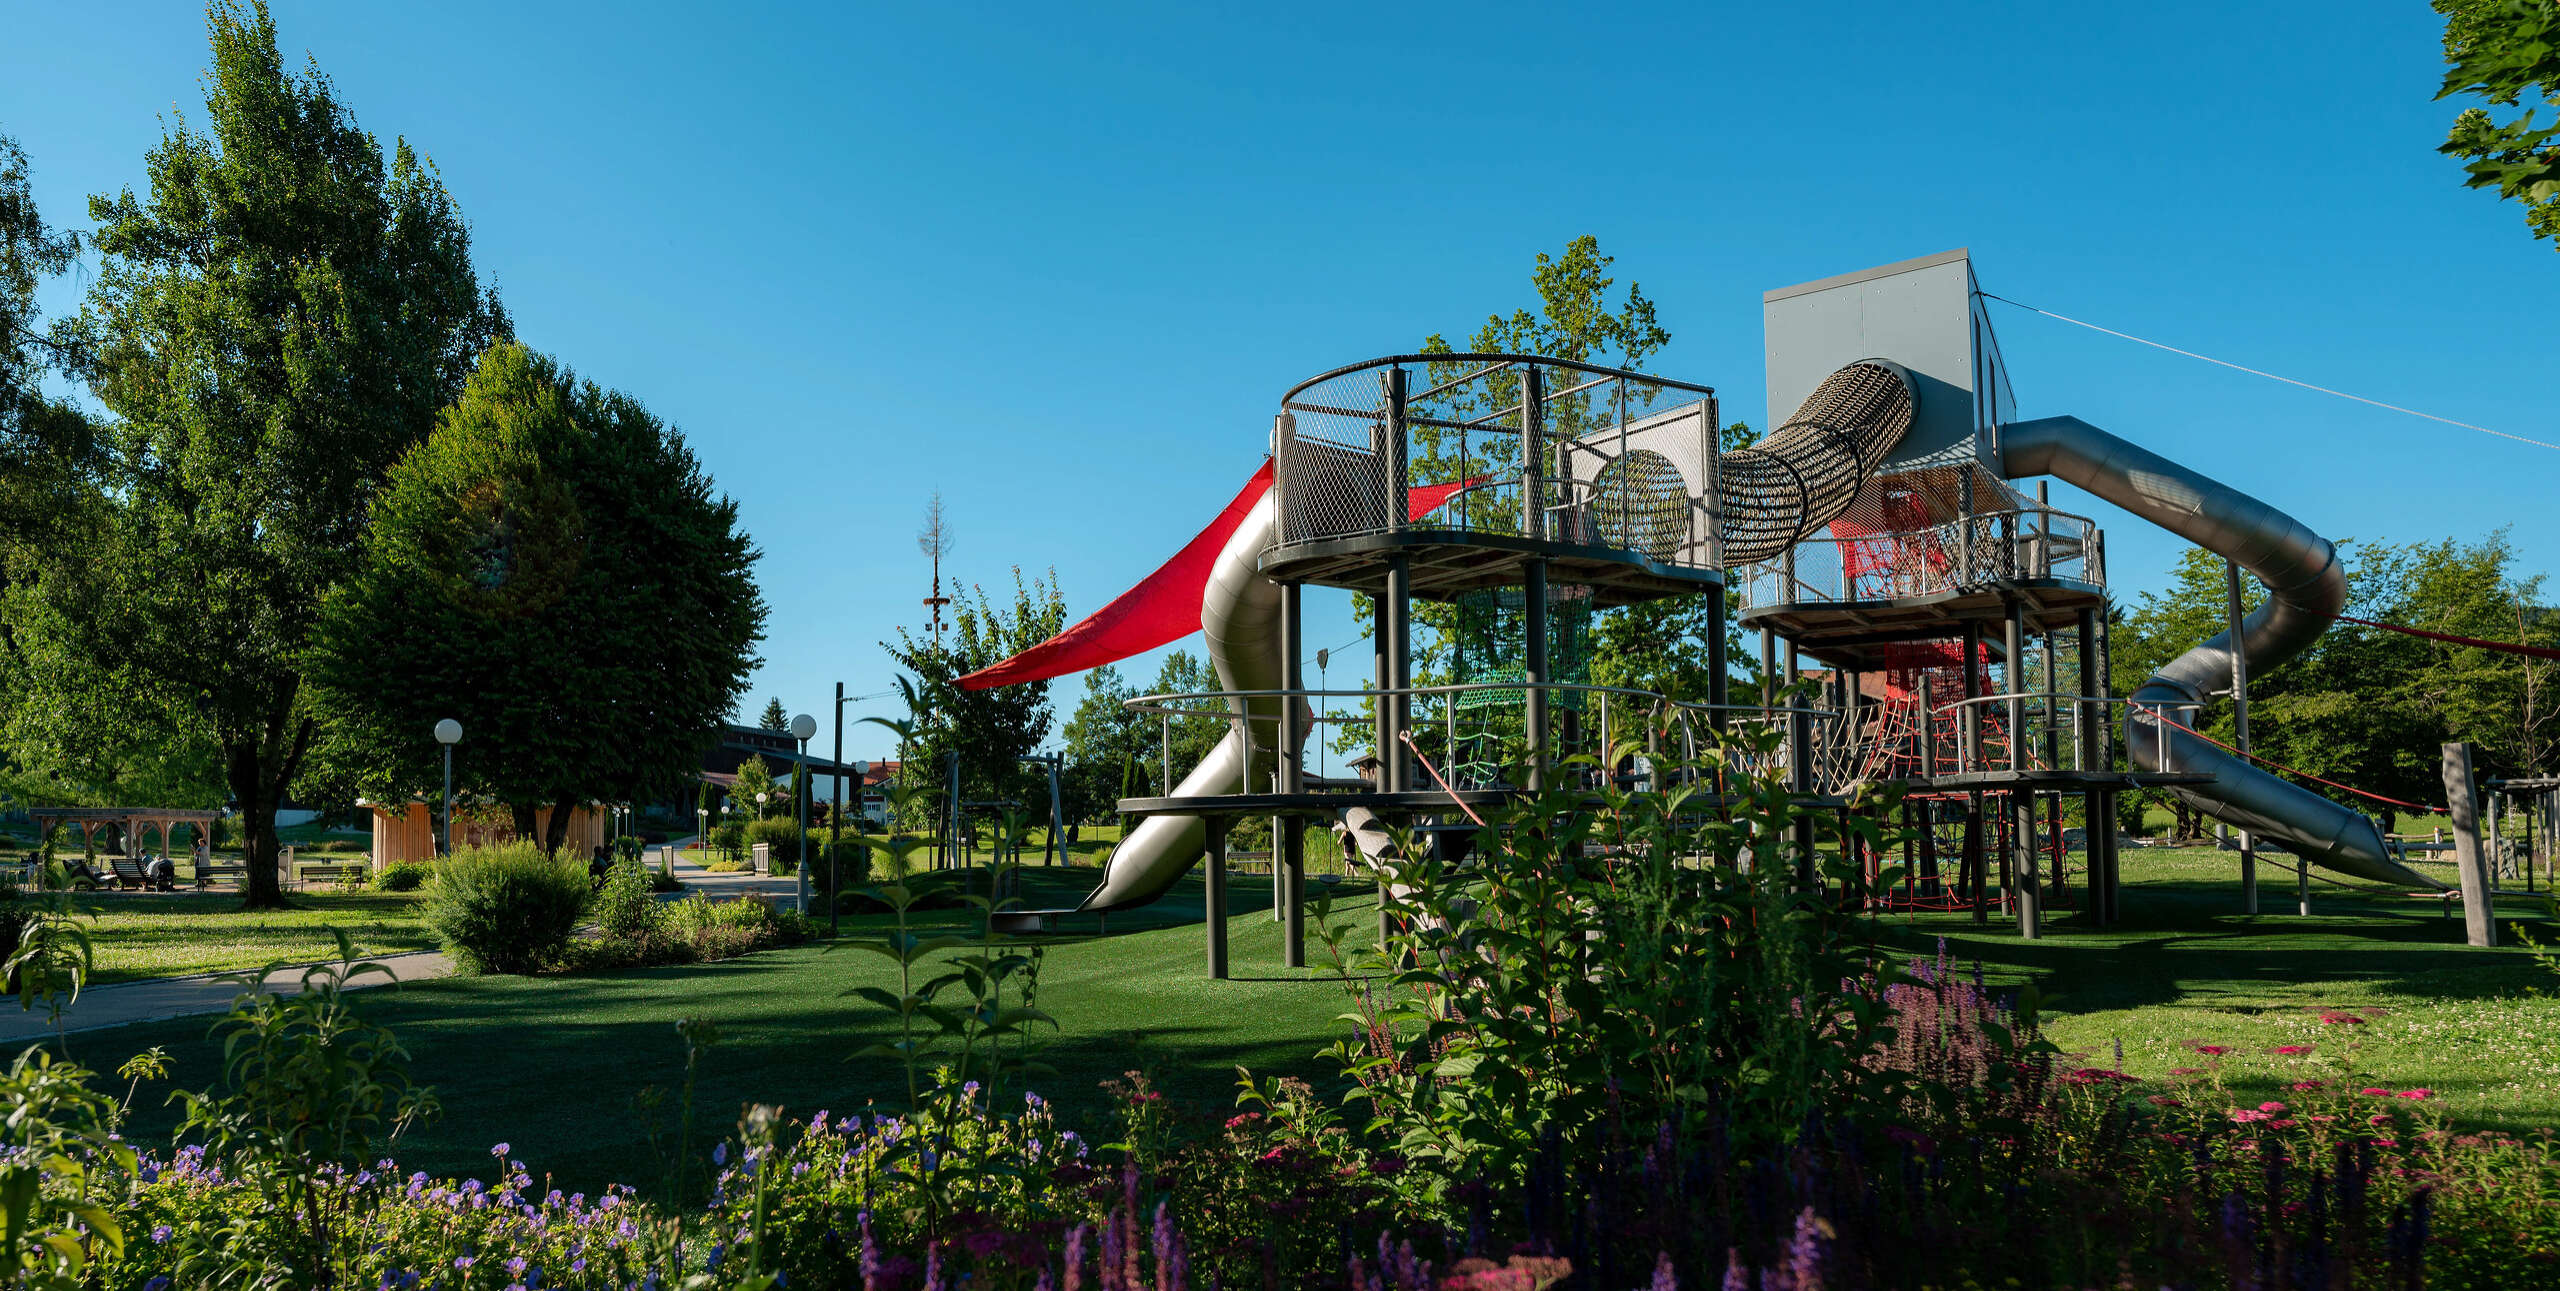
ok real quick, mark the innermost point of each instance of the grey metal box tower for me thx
(1924, 314)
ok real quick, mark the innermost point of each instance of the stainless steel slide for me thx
(2306, 589)
(1240, 616)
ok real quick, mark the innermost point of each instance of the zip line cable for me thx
(2257, 372)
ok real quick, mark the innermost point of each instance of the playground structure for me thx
(1955, 624)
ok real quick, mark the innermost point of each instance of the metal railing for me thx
(2062, 717)
(1987, 547)
(1540, 448)
(1457, 725)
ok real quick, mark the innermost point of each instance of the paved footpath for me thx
(159, 998)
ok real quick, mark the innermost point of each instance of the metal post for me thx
(1534, 672)
(1164, 752)
(1533, 457)
(835, 818)
(1969, 731)
(1391, 388)
(807, 791)
(1399, 601)
(1215, 891)
(2461, 797)
(2240, 724)
(1718, 687)
(1292, 854)
(448, 805)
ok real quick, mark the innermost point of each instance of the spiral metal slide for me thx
(2306, 588)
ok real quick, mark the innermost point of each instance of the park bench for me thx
(328, 871)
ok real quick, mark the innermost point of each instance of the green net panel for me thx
(1489, 638)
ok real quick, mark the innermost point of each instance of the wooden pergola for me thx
(134, 823)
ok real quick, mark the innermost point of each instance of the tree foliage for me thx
(990, 730)
(2369, 707)
(775, 718)
(122, 750)
(553, 568)
(2503, 52)
(275, 321)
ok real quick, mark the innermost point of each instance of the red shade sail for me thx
(1164, 607)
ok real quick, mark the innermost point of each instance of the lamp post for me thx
(804, 728)
(448, 734)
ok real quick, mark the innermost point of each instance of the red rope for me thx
(2161, 716)
(2508, 647)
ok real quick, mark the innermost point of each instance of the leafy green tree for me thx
(52, 493)
(2365, 706)
(989, 729)
(274, 323)
(775, 718)
(1107, 751)
(552, 567)
(755, 780)
(2501, 52)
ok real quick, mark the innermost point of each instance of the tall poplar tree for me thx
(277, 318)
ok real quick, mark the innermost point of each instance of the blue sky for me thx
(1060, 261)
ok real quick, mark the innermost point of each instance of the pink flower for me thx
(2301, 1085)
(2336, 1019)
(2186, 1071)
(2378, 1118)
(2290, 1049)
(2245, 1115)
(2162, 1100)
(2213, 1050)
(2374, 1091)
(2271, 1107)
(2415, 1095)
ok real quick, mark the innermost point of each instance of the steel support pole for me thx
(2240, 724)
(1534, 671)
(1214, 889)
(1399, 702)
(1291, 854)
(1718, 685)
(1287, 858)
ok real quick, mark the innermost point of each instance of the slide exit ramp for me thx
(2306, 588)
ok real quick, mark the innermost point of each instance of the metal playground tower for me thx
(1949, 626)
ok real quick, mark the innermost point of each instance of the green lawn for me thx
(150, 935)
(552, 1065)
(2185, 966)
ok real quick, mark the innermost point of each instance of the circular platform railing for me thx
(1524, 446)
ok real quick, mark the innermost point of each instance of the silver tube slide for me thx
(2306, 589)
(1240, 617)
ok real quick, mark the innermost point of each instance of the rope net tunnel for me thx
(1788, 486)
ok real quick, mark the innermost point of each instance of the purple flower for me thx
(501, 1150)
(720, 1154)
(1664, 1278)
(160, 1235)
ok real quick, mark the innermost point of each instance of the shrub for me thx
(625, 908)
(729, 836)
(506, 909)
(783, 836)
(404, 876)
